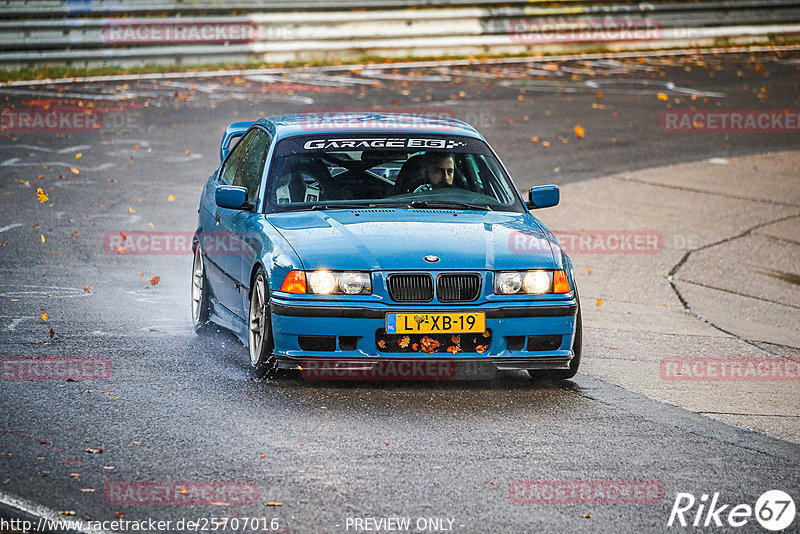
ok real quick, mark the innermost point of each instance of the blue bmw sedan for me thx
(366, 238)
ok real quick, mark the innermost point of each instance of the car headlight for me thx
(325, 282)
(321, 282)
(507, 283)
(537, 282)
(352, 283)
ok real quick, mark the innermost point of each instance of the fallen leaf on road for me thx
(171, 198)
(88, 288)
(74, 170)
(79, 154)
(52, 333)
(41, 195)
(662, 96)
(94, 451)
(599, 302)
(131, 210)
(44, 316)
(42, 238)
(274, 504)
(155, 280)
(579, 131)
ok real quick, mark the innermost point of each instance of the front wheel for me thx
(260, 341)
(200, 306)
(577, 347)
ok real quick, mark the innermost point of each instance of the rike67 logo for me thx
(774, 510)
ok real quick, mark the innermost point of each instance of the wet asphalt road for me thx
(182, 408)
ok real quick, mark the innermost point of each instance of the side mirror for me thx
(543, 196)
(231, 197)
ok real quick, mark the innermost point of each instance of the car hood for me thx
(399, 239)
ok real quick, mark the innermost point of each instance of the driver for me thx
(438, 170)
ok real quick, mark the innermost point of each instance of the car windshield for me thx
(338, 171)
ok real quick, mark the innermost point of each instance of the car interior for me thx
(370, 175)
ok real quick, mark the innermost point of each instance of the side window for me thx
(232, 163)
(251, 165)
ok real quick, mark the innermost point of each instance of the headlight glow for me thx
(324, 282)
(321, 282)
(536, 282)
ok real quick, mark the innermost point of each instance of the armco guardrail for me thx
(93, 33)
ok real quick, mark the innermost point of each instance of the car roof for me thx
(365, 122)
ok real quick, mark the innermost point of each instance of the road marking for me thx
(67, 150)
(40, 511)
(16, 320)
(17, 162)
(79, 96)
(9, 227)
(20, 291)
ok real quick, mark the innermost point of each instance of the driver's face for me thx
(441, 170)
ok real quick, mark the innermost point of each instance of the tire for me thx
(260, 343)
(577, 347)
(200, 306)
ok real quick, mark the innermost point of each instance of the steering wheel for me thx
(422, 188)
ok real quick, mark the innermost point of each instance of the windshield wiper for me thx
(449, 204)
(341, 206)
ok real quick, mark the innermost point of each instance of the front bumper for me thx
(349, 335)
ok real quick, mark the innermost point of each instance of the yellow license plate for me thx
(435, 323)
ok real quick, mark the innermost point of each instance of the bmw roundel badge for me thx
(431, 258)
